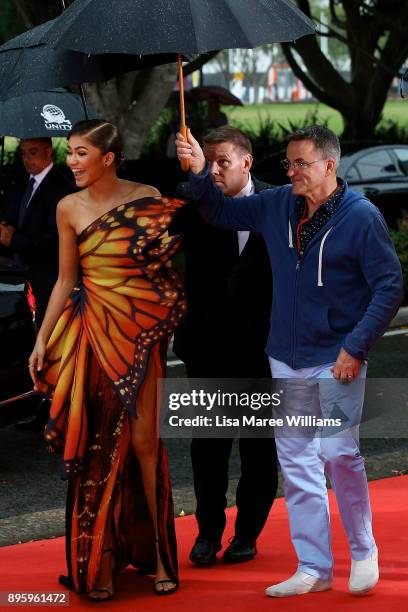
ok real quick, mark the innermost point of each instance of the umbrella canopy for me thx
(168, 26)
(28, 64)
(221, 94)
(145, 27)
(39, 114)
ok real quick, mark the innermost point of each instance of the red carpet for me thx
(35, 566)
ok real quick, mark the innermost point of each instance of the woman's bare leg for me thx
(144, 442)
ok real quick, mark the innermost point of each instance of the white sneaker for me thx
(299, 584)
(363, 575)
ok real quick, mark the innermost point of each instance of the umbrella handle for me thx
(185, 164)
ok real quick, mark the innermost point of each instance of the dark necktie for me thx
(25, 200)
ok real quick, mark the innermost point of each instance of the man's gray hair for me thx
(324, 140)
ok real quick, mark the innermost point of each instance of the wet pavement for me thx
(32, 494)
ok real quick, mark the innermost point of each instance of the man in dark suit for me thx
(29, 230)
(29, 226)
(229, 292)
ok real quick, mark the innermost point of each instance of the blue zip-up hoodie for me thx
(345, 289)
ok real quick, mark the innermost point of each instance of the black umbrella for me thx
(145, 27)
(168, 26)
(28, 64)
(39, 114)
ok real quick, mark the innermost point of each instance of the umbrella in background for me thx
(39, 114)
(204, 93)
(211, 92)
(35, 115)
(146, 27)
(403, 84)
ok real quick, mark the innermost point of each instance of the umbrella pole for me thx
(183, 128)
(81, 89)
(83, 99)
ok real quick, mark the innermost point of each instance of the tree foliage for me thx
(374, 32)
(16, 16)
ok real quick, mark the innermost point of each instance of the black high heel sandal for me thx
(66, 581)
(161, 591)
(108, 591)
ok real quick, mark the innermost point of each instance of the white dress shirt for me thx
(243, 236)
(38, 179)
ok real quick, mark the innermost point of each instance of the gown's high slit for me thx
(103, 361)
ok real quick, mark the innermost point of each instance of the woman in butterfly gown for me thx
(99, 352)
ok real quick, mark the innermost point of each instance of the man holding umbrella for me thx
(337, 285)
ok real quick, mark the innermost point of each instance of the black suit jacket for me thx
(36, 243)
(229, 298)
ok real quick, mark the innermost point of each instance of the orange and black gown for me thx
(102, 364)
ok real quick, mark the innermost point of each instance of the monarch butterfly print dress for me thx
(102, 363)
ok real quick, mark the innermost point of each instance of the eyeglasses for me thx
(298, 164)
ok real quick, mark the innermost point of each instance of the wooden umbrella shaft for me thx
(183, 128)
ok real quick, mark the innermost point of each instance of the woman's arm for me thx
(67, 278)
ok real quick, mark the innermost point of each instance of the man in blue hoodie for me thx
(338, 283)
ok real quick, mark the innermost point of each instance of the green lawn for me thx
(396, 110)
(294, 112)
(59, 144)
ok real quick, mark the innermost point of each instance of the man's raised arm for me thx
(243, 213)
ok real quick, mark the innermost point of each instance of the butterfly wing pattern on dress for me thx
(128, 300)
(102, 362)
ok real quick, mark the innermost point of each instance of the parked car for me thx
(17, 337)
(381, 173)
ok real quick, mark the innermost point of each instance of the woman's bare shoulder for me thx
(69, 200)
(140, 190)
(67, 205)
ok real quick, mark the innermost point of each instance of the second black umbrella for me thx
(41, 114)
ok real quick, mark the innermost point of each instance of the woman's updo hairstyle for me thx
(103, 135)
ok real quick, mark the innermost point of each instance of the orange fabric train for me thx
(103, 359)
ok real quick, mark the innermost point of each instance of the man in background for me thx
(338, 284)
(28, 227)
(229, 290)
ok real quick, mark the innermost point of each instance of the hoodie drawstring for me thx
(319, 274)
(290, 236)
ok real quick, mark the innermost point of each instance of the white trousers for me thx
(306, 460)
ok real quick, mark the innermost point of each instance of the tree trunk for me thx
(358, 126)
(374, 63)
(134, 102)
